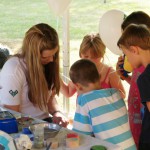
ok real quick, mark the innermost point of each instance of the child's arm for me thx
(115, 82)
(67, 90)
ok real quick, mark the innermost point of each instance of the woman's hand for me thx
(60, 119)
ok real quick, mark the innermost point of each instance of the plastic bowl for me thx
(50, 129)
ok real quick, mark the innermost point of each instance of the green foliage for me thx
(17, 16)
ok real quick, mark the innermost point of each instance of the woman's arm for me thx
(13, 107)
(52, 104)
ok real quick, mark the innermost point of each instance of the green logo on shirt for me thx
(13, 93)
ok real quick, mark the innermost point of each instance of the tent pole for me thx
(66, 55)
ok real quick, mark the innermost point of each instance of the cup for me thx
(127, 66)
(38, 133)
(26, 130)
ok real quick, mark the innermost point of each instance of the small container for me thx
(50, 129)
(8, 122)
(26, 130)
(38, 133)
(98, 147)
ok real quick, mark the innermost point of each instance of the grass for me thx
(17, 16)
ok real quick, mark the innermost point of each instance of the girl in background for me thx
(93, 48)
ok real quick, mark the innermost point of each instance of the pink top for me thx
(104, 84)
(134, 105)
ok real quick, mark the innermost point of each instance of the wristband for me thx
(55, 112)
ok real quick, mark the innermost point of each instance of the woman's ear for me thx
(134, 49)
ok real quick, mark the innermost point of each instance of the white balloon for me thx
(59, 6)
(110, 29)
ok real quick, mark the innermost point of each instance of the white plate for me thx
(7, 141)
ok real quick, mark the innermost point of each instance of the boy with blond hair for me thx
(135, 44)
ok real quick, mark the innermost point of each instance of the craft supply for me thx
(8, 122)
(26, 130)
(15, 144)
(98, 147)
(38, 136)
(54, 144)
(72, 135)
(48, 147)
(72, 140)
(23, 142)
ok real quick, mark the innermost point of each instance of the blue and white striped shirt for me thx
(104, 114)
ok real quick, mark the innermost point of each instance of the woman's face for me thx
(87, 55)
(47, 55)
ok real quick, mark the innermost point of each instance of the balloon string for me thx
(65, 77)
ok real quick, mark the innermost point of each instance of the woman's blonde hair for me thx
(93, 43)
(40, 78)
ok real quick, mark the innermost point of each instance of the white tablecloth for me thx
(85, 141)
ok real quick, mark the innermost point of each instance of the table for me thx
(85, 141)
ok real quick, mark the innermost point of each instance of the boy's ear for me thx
(134, 49)
(78, 86)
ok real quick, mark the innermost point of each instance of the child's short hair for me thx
(136, 17)
(95, 44)
(135, 35)
(84, 71)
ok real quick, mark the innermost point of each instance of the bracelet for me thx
(55, 112)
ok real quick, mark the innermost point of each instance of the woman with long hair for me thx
(30, 80)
